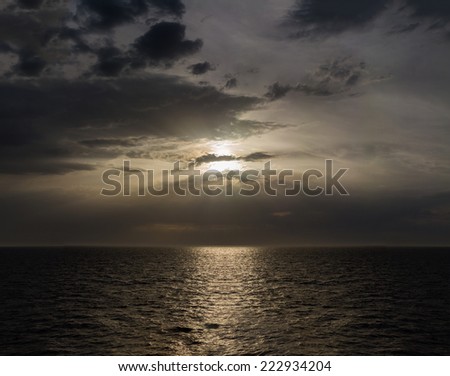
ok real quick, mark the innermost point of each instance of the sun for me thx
(221, 148)
(227, 160)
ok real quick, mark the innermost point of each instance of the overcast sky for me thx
(86, 84)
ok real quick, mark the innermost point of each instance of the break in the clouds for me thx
(86, 84)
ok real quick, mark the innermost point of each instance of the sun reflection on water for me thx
(222, 283)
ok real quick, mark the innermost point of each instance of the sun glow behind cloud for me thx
(223, 166)
(224, 149)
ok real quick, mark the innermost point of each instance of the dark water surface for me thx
(224, 301)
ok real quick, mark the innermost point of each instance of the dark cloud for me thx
(110, 62)
(13, 24)
(330, 16)
(43, 167)
(165, 42)
(59, 120)
(231, 83)
(325, 17)
(5, 47)
(334, 77)
(30, 4)
(200, 68)
(277, 91)
(174, 7)
(110, 13)
(108, 142)
(155, 104)
(436, 9)
(13, 132)
(40, 46)
(209, 158)
(76, 36)
(29, 64)
(51, 41)
(106, 14)
(256, 156)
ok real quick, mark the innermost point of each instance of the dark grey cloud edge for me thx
(165, 41)
(311, 18)
(43, 167)
(29, 64)
(208, 158)
(163, 44)
(277, 91)
(231, 83)
(433, 9)
(60, 120)
(30, 4)
(100, 14)
(330, 16)
(200, 68)
(334, 77)
(108, 142)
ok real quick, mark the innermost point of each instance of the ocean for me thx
(224, 301)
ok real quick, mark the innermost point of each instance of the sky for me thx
(225, 84)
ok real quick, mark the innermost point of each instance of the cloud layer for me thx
(91, 83)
